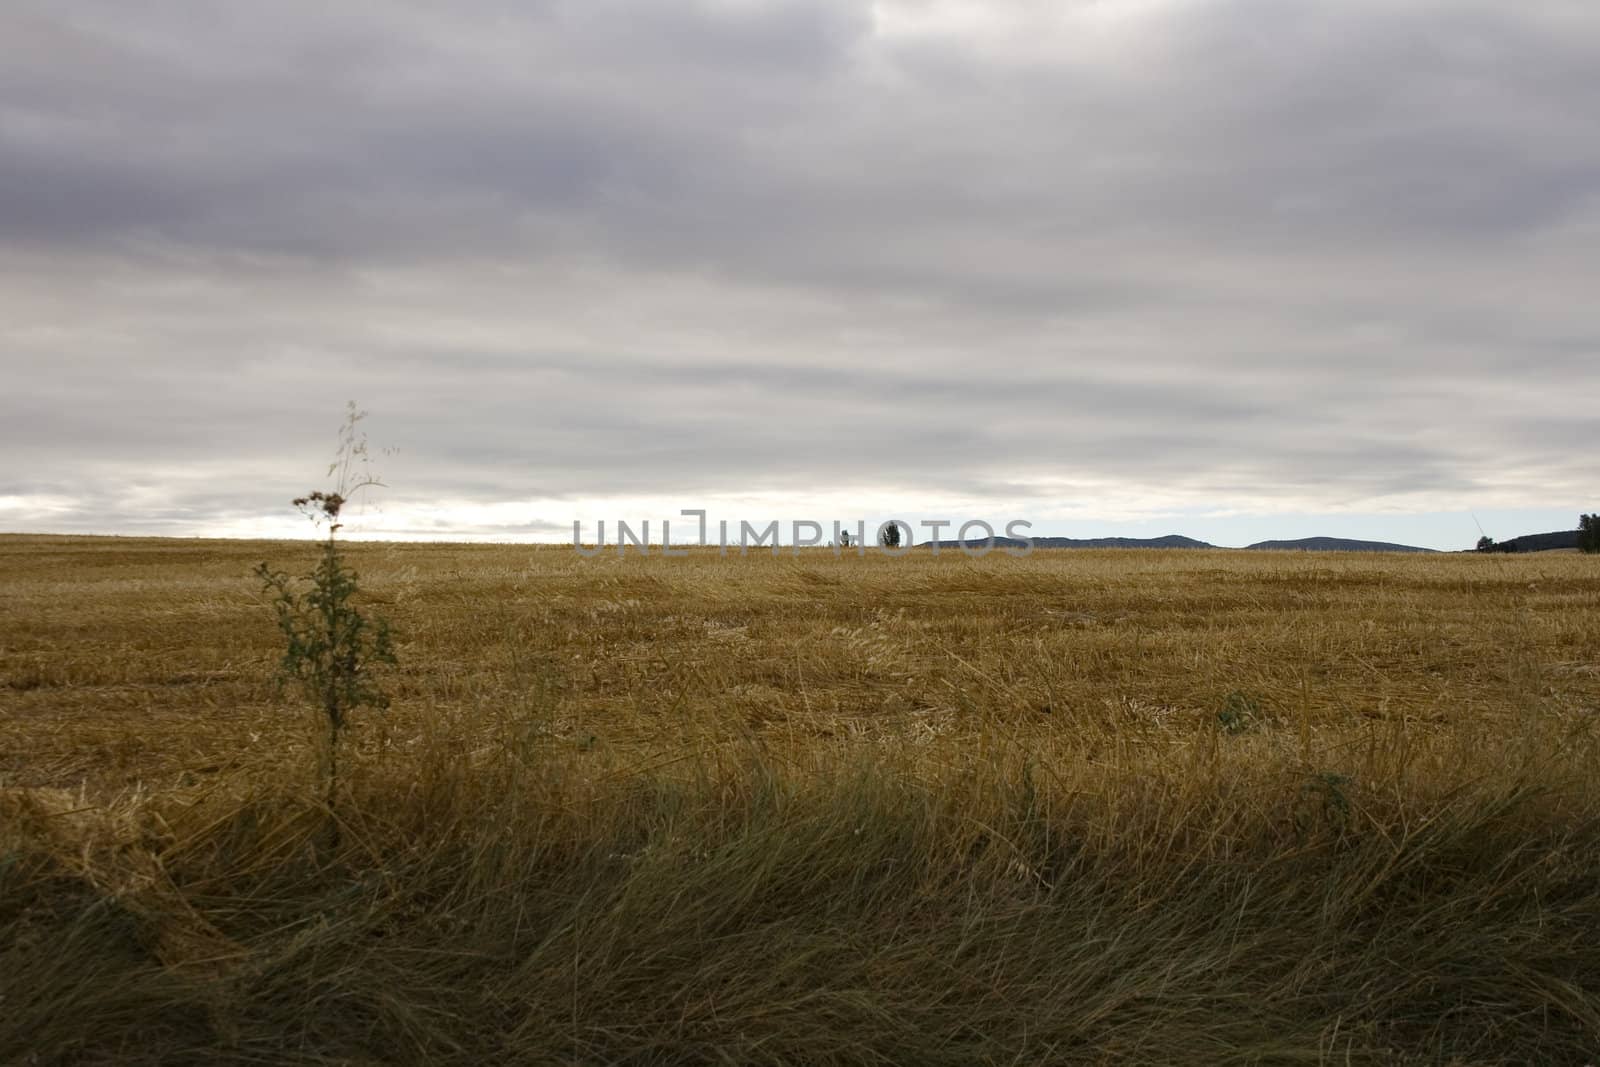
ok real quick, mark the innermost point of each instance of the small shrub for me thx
(330, 644)
(1324, 802)
(1240, 713)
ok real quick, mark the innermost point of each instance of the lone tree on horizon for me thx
(1589, 533)
(889, 536)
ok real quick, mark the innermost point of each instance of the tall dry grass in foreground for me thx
(1085, 806)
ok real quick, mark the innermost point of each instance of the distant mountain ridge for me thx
(1304, 544)
(1540, 542)
(1335, 544)
(1169, 541)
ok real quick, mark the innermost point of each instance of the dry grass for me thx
(1084, 806)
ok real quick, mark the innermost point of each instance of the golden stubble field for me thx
(142, 663)
(1277, 807)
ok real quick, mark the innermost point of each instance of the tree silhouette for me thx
(1589, 533)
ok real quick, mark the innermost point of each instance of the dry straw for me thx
(1084, 806)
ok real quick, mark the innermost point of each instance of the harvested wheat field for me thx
(1108, 806)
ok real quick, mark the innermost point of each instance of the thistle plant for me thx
(330, 644)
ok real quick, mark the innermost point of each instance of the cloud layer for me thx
(1127, 259)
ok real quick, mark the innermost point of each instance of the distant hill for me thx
(1540, 542)
(1335, 544)
(1169, 541)
(1529, 543)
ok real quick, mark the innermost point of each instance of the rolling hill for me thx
(1304, 544)
(1334, 544)
(1539, 542)
(1169, 541)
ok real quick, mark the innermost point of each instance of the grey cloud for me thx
(1301, 250)
(759, 137)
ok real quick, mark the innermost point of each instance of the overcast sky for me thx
(1232, 268)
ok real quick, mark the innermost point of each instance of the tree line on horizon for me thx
(1588, 538)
